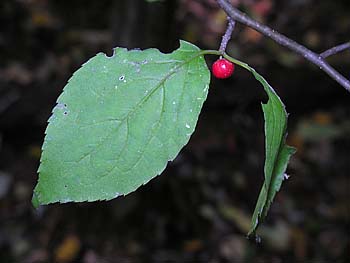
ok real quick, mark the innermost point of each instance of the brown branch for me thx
(309, 55)
(227, 36)
(334, 50)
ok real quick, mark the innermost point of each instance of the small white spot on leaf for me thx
(206, 88)
(61, 106)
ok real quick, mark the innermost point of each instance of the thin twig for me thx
(311, 56)
(227, 36)
(334, 50)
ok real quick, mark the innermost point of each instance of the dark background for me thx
(199, 209)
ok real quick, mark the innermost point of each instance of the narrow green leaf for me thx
(119, 121)
(277, 152)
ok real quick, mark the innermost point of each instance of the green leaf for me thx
(277, 152)
(119, 121)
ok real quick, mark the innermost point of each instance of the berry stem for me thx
(227, 36)
(224, 55)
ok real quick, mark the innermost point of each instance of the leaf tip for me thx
(252, 236)
(187, 45)
(35, 200)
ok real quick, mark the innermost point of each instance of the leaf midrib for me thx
(136, 107)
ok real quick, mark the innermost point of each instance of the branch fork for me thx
(315, 58)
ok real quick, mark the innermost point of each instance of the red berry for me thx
(222, 68)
